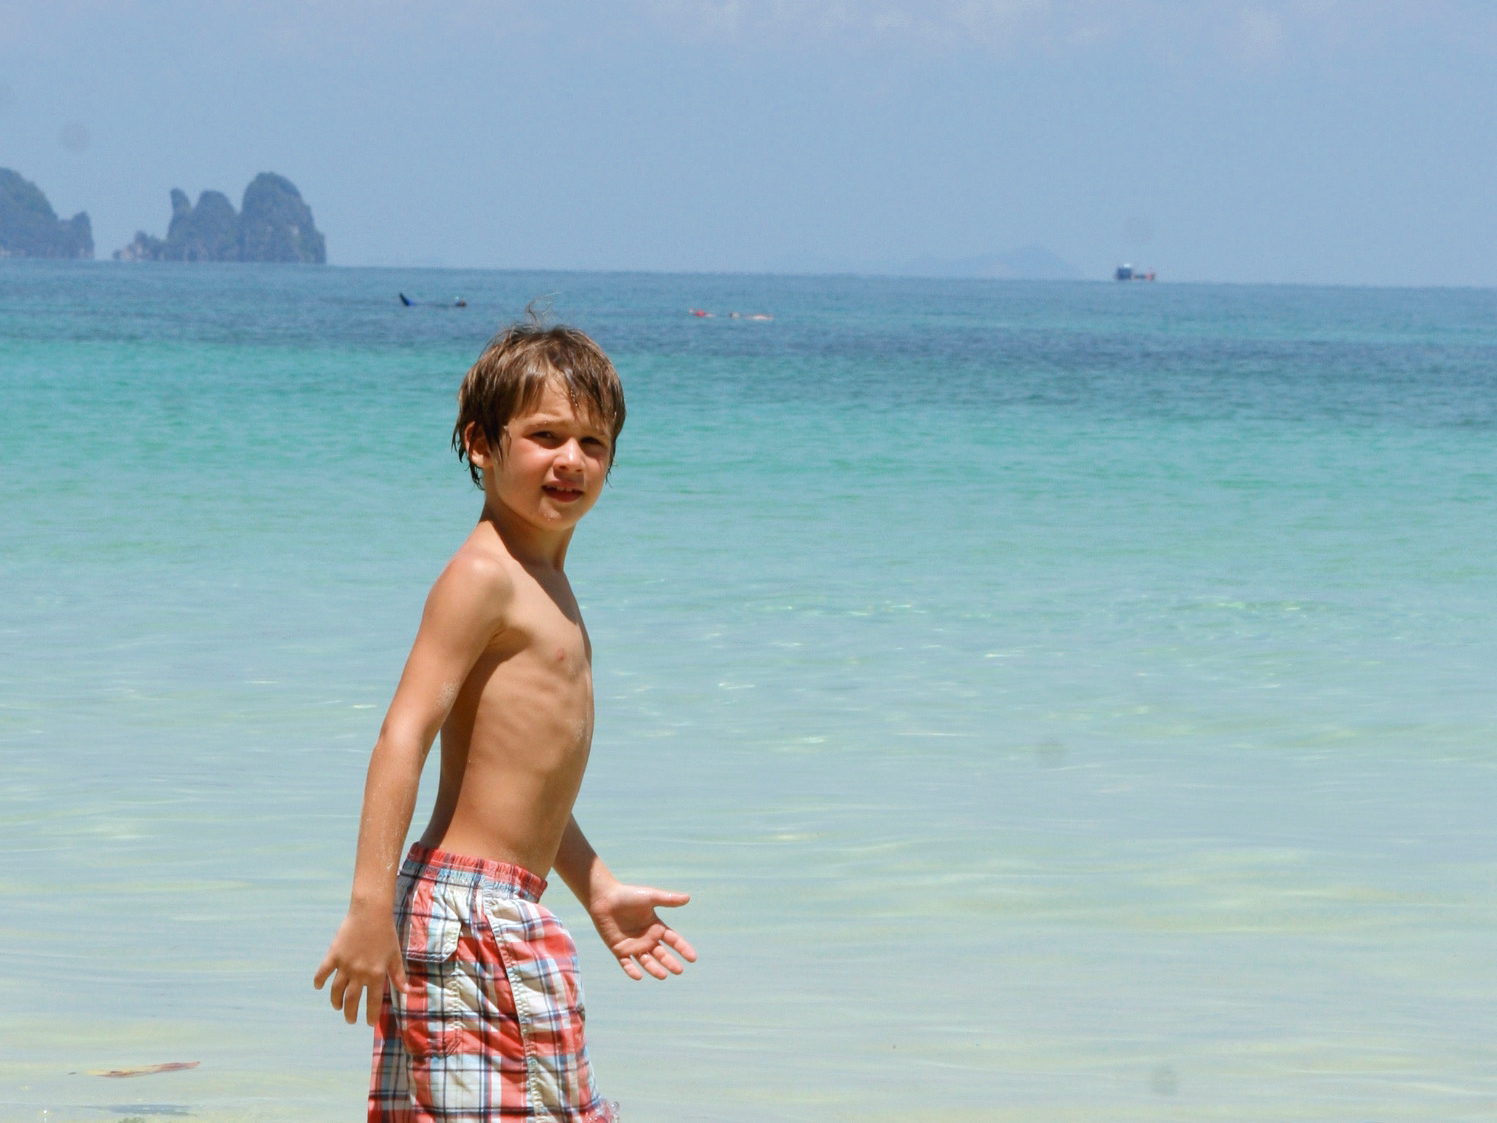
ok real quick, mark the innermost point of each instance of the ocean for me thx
(1064, 701)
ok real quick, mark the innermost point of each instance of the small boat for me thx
(1128, 273)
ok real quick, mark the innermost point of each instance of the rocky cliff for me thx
(29, 227)
(275, 225)
(272, 224)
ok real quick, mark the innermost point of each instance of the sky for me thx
(1298, 141)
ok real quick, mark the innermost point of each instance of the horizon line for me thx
(6, 260)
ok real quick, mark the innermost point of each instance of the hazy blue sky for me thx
(1282, 140)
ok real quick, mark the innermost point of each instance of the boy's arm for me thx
(624, 915)
(464, 612)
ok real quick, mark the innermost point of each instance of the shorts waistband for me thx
(459, 869)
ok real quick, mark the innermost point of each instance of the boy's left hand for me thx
(625, 917)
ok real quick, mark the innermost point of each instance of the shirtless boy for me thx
(471, 983)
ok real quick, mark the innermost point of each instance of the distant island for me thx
(273, 224)
(29, 227)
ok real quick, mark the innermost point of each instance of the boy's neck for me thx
(527, 544)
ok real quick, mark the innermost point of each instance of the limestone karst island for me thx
(272, 224)
(29, 227)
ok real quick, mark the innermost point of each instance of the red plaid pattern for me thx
(489, 1027)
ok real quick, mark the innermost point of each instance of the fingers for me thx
(657, 960)
(323, 972)
(375, 1003)
(669, 961)
(667, 898)
(397, 972)
(676, 940)
(339, 987)
(346, 993)
(351, 1002)
(648, 961)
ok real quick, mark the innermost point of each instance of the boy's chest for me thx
(551, 637)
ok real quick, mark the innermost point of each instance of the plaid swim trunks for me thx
(489, 1026)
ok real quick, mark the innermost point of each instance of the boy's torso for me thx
(515, 743)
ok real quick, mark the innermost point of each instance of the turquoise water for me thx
(1064, 701)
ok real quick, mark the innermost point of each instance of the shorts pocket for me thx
(436, 1010)
(433, 925)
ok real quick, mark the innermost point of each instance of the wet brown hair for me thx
(514, 368)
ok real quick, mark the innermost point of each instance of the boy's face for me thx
(555, 460)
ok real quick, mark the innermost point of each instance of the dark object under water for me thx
(457, 301)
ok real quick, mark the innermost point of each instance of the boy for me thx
(481, 1013)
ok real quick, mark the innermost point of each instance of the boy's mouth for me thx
(562, 492)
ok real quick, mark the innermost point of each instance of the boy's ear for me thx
(480, 455)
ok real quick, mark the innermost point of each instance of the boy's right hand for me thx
(363, 954)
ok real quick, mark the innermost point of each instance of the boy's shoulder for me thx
(478, 579)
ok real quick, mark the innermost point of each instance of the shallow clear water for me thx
(1064, 701)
